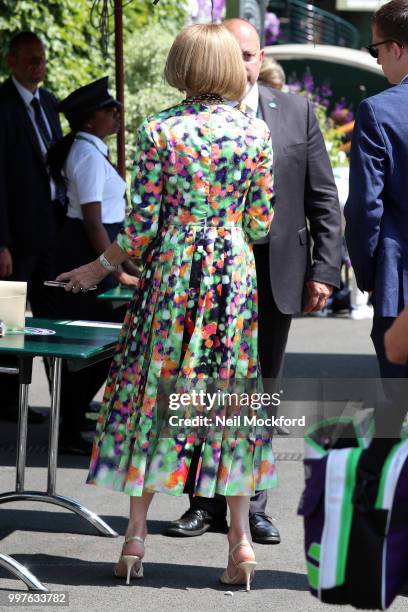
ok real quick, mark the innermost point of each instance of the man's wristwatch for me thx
(105, 264)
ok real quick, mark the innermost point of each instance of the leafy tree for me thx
(169, 14)
(146, 90)
(149, 31)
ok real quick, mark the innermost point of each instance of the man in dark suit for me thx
(289, 278)
(30, 205)
(377, 208)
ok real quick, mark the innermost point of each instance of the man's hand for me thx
(396, 340)
(6, 263)
(319, 293)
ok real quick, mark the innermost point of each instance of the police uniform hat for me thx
(87, 99)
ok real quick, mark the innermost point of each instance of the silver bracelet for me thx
(105, 263)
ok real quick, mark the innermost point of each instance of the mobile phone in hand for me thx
(54, 284)
(63, 284)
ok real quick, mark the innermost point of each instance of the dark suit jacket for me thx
(377, 208)
(305, 190)
(26, 222)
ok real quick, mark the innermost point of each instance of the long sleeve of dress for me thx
(258, 211)
(141, 224)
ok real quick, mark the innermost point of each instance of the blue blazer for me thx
(377, 207)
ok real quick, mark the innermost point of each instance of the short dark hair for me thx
(392, 20)
(20, 39)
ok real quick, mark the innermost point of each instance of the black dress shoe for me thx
(263, 531)
(74, 445)
(10, 413)
(195, 522)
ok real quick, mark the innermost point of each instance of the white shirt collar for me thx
(96, 141)
(25, 93)
(252, 98)
(404, 79)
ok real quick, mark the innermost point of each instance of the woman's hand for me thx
(81, 279)
(133, 267)
(127, 279)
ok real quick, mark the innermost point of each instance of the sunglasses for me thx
(373, 51)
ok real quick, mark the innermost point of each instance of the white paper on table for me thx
(13, 295)
(95, 324)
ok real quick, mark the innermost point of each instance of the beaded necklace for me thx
(204, 99)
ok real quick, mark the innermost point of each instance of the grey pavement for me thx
(67, 555)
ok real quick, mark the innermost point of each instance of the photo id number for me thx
(31, 598)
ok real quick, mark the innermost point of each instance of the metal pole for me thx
(54, 424)
(22, 572)
(120, 89)
(22, 437)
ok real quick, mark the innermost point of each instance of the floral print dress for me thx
(201, 193)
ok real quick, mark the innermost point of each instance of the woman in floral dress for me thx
(201, 193)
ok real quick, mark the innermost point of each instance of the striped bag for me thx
(354, 556)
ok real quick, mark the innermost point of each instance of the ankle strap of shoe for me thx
(134, 539)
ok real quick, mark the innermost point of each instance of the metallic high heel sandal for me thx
(246, 569)
(130, 562)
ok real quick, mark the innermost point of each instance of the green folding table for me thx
(119, 295)
(81, 343)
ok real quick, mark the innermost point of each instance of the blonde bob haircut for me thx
(206, 59)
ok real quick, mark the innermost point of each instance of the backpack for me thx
(354, 555)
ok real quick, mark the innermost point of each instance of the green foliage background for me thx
(74, 52)
(73, 49)
(170, 14)
(75, 55)
(146, 90)
(150, 31)
(332, 138)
